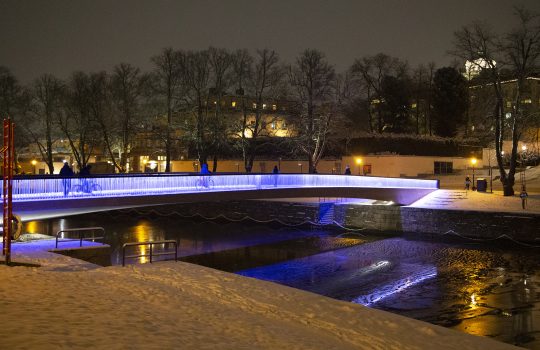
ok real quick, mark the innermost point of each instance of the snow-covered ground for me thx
(71, 304)
(68, 303)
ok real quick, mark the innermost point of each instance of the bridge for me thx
(52, 196)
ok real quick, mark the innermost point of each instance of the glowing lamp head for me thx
(144, 161)
(34, 162)
(64, 161)
(473, 161)
(524, 148)
(358, 161)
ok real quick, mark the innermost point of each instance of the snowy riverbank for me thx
(71, 304)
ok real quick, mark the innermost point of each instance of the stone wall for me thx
(379, 218)
(474, 224)
(285, 212)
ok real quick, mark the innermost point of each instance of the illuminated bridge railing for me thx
(35, 188)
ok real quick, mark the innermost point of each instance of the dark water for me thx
(479, 288)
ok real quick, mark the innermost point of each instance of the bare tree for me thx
(101, 111)
(519, 52)
(372, 70)
(13, 100)
(197, 78)
(46, 92)
(242, 67)
(76, 121)
(221, 63)
(312, 81)
(168, 90)
(127, 88)
(263, 86)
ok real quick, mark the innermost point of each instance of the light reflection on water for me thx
(484, 290)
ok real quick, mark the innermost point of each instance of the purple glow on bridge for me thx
(31, 189)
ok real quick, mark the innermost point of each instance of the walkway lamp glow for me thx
(359, 163)
(34, 162)
(300, 165)
(473, 162)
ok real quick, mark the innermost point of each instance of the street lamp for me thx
(34, 162)
(359, 164)
(522, 175)
(473, 162)
(300, 165)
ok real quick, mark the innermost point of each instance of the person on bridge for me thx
(347, 170)
(275, 171)
(204, 169)
(85, 171)
(66, 172)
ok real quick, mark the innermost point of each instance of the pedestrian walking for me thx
(467, 183)
(347, 170)
(66, 172)
(275, 171)
(523, 195)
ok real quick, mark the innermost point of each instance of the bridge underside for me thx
(53, 208)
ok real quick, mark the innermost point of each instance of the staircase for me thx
(326, 213)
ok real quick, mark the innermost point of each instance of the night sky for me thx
(60, 36)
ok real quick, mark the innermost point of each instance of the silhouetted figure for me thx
(314, 171)
(347, 170)
(275, 171)
(467, 183)
(66, 172)
(523, 195)
(204, 169)
(85, 171)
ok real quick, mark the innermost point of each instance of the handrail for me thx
(81, 230)
(115, 186)
(151, 253)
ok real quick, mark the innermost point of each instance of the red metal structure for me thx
(7, 173)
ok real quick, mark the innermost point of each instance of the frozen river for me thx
(479, 288)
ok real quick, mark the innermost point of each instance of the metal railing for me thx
(81, 238)
(54, 187)
(151, 253)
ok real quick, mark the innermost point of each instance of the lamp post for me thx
(524, 168)
(359, 164)
(300, 165)
(237, 168)
(34, 162)
(490, 172)
(473, 162)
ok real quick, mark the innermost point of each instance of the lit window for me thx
(273, 125)
(283, 125)
(254, 105)
(264, 105)
(215, 102)
(233, 103)
(413, 105)
(508, 104)
(274, 107)
(527, 101)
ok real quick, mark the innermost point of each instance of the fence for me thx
(32, 188)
